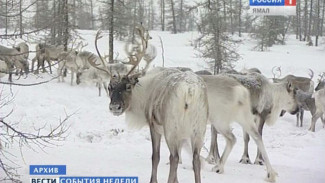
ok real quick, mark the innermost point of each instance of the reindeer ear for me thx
(290, 87)
(134, 80)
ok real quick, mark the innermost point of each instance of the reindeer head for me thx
(321, 82)
(121, 87)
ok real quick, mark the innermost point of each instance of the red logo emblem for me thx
(290, 3)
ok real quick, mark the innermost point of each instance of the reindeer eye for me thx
(128, 87)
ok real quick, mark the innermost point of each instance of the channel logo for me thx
(45, 171)
(272, 7)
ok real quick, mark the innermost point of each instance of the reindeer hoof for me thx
(245, 160)
(211, 160)
(218, 169)
(259, 162)
(271, 176)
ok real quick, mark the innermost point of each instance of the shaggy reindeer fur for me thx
(172, 103)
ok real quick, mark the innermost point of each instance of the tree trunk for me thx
(66, 26)
(6, 20)
(20, 19)
(231, 19)
(92, 14)
(310, 17)
(111, 32)
(224, 13)
(53, 27)
(152, 17)
(162, 11)
(305, 19)
(181, 25)
(174, 17)
(239, 18)
(317, 24)
(297, 19)
(322, 22)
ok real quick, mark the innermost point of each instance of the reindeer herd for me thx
(178, 103)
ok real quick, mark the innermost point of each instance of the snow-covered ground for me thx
(100, 144)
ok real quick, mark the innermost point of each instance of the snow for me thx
(100, 144)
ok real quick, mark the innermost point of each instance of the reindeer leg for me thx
(173, 159)
(49, 62)
(315, 117)
(43, 65)
(99, 88)
(252, 131)
(230, 142)
(106, 88)
(33, 61)
(259, 157)
(323, 120)
(155, 140)
(72, 75)
(213, 156)
(297, 116)
(197, 143)
(10, 76)
(245, 158)
(301, 117)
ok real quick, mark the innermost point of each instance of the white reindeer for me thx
(45, 52)
(229, 101)
(304, 84)
(319, 96)
(67, 60)
(172, 103)
(12, 57)
(266, 102)
(23, 48)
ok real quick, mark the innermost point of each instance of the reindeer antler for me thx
(135, 59)
(273, 72)
(321, 77)
(93, 61)
(311, 74)
(277, 68)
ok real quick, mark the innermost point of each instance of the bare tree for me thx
(174, 28)
(162, 14)
(10, 135)
(317, 22)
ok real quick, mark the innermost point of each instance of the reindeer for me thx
(67, 60)
(267, 100)
(12, 57)
(230, 101)
(23, 48)
(319, 97)
(45, 52)
(306, 85)
(172, 103)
